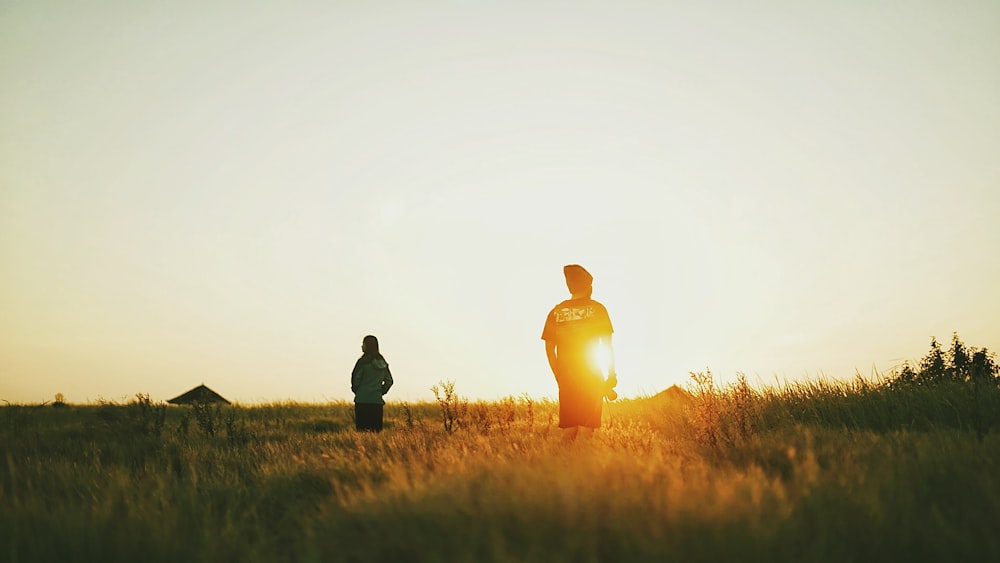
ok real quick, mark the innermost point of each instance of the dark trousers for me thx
(368, 417)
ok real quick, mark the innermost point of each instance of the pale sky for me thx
(236, 193)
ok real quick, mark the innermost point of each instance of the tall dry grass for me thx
(814, 472)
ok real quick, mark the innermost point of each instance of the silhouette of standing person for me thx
(575, 330)
(370, 380)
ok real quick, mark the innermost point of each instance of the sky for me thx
(235, 193)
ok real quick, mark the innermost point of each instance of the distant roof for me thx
(674, 394)
(199, 394)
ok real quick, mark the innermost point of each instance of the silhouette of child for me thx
(574, 329)
(370, 380)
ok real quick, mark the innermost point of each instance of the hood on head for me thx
(578, 279)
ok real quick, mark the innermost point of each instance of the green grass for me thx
(819, 472)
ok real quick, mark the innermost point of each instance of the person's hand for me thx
(609, 387)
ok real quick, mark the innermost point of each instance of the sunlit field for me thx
(853, 471)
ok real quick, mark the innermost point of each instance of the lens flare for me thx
(602, 358)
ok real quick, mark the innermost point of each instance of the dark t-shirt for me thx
(574, 326)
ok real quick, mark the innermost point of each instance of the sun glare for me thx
(602, 357)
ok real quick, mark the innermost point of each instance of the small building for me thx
(200, 394)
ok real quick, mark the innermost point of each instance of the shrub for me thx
(207, 416)
(453, 408)
(140, 417)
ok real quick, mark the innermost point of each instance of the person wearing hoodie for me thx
(370, 380)
(576, 332)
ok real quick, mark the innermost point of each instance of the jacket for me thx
(370, 380)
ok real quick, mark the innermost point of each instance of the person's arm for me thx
(386, 381)
(550, 353)
(612, 374)
(356, 377)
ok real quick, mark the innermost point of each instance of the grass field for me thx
(817, 472)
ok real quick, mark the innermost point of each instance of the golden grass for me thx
(821, 473)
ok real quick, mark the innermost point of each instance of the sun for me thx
(601, 356)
